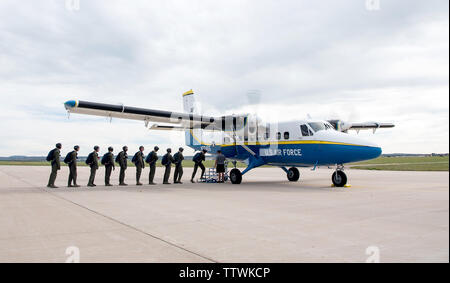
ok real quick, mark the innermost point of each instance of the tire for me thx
(293, 175)
(339, 179)
(236, 176)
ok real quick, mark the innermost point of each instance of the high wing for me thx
(177, 121)
(346, 126)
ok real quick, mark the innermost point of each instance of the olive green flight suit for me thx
(178, 157)
(152, 158)
(73, 169)
(123, 163)
(56, 166)
(109, 167)
(170, 160)
(94, 168)
(140, 164)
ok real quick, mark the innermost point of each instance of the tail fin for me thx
(189, 101)
(189, 107)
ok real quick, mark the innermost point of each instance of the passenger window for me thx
(305, 130)
(279, 136)
(286, 135)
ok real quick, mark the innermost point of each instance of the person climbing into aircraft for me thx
(198, 162)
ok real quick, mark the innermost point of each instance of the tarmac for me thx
(390, 216)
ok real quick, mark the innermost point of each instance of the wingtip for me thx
(71, 104)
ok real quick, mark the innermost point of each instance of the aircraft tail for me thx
(189, 101)
(189, 107)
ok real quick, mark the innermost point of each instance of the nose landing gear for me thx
(339, 178)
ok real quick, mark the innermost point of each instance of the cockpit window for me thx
(306, 132)
(317, 126)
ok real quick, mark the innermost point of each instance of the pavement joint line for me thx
(118, 222)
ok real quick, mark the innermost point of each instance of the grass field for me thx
(382, 163)
(429, 163)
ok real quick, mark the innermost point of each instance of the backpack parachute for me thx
(149, 157)
(51, 155)
(90, 158)
(165, 160)
(104, 159)
(197, 157)
(68, 158)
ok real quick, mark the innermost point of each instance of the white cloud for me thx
(327, 58)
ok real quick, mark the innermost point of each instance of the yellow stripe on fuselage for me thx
(279, 142)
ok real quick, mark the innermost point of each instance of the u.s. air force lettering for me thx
(280, 152)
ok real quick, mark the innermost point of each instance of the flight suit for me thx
(170, 160)
(152, 159)
(140, 164)
(109, 167)
(73, 169)
(178, 160)
(56, 166)
(94, 168)
(199, 163)
(123, 163)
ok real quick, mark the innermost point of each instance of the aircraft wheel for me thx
(236, 176)
(293, 175)
(339, 179)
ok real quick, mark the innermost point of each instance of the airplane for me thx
(245, 138)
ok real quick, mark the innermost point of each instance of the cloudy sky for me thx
(327, 59)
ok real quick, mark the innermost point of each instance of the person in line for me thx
(167, 161)
(108, 161)
(54, 157)
(71, 160)
(220, 166)
(198, 162)
(122, 160)
(178, 157)
(92, 161)
(138, 160)
(151, 159)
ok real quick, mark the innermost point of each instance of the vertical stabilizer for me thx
(189, 101)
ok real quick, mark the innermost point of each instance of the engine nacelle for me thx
(340, 125)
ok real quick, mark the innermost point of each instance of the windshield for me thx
(317, 126)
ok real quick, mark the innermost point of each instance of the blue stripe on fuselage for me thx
(307, 154)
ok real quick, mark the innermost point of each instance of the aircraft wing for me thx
(370, 125)
(177, 121)
(346, 126)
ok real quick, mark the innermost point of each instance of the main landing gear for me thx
(293, 175)
(339, 178)
(236, 176)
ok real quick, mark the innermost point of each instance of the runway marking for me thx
(116, 221)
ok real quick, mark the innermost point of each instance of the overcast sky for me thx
(328, 59)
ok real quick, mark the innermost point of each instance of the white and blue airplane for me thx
(302, 143)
